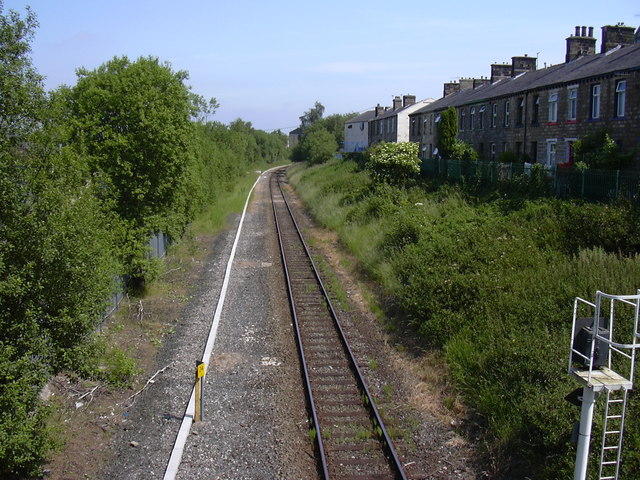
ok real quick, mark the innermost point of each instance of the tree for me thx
(311, 116)
(133, 120)
(393, 163)
(447, 132)
(316, 146)
(56, 270)
(335, 125)
(21, 94)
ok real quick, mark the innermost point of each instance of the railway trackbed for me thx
(351, 440)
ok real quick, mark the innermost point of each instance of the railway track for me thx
(351, 440)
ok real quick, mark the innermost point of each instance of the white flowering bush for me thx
(394, 163)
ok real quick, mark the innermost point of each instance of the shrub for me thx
(394, 163)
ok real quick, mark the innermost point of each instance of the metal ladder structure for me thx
(612, 434)
(595, 351)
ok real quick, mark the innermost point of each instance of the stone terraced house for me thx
(538, 114)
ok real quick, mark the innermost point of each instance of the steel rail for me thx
(387, 445)
(307, 382)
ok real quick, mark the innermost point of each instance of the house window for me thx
(463, 115)
(507, 108)
(473, 118)
(551, 152)
(534, 152)
(481, 117)
(520, 113)
(425, 119)
(430, 124)
(494, 115)
(595, 101)
(536, 110)
(570, 152)
(572, 112)
(492, 150)
(518, 150)
(413, 127)
(505, 147)
(553, 107)
(621, 97)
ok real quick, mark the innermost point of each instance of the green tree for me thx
(463, 151)
(316, 146)
(133, 120)
(447, 132)
(56, 269)
(393, 163)
(311, 116)
(335, 125)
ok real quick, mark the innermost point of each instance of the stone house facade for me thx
(538, 114)
(392, 124)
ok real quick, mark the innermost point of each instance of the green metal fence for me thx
(563, 182)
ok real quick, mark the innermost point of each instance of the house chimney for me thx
(523, 64)
(450, 88)
(408, 100)
(614, 35)
(580, 45)
(466, 83)
(500, 71)
(591, 31)
(397, 102)
(379, 110)
(479, 82)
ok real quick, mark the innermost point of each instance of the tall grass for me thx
(491, 283)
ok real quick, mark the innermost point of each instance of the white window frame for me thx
(494, 115)
(473, 118)
(595, 101)
(507, 112)
(572, 100)
(621, 97)
(481, 117)
(492, 150)
(463, 118)
(552, 149)
(553, 106)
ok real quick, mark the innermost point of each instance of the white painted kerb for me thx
(176, 454)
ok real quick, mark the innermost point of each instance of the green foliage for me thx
(492, 284)
(311, 116)
(394, 163)
(335, 125)
(507, 157)
(598, 150)
(447, 132)
(317, 145)
(463, 151)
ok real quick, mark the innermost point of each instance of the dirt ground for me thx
(424, 415)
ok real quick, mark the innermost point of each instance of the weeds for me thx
(489, 277)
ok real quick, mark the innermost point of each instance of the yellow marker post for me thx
(200, 370)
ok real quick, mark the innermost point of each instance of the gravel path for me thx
(255, 419)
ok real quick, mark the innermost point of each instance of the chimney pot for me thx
(584, 31)
(577, 31)
(591, 31)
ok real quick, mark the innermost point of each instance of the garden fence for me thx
(563, 182)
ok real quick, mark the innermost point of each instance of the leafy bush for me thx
(492, 283)
(598, 150)
(394, 163)
(317, 146)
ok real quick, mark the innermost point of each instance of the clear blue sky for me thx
(268, 61)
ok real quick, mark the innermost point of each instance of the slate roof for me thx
(623, 59)
(363, 117)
